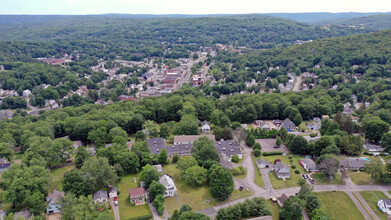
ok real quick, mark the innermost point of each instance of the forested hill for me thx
(374, 22)
(255, 31)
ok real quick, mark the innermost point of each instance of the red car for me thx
(115, 201)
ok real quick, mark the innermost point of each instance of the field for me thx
(258, 177)
(291, 182)
(361, 178)
(371, 198)
(127, 211)
(274, 208)
(324, 180)
(338, 205)
(197, 197)
(57, 175)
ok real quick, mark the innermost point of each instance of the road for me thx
(297, 84)
(115, 209)
(366, 206)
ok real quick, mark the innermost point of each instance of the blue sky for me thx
(189, 6)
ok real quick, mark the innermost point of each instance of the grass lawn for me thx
(323, 180)
(171, 204)
(371, 198)
(274, 207)
(57, 175)
(258, 177)
(127, 211)
(338, 205)
(197, 197)
(291, 182)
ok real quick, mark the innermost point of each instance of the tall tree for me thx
(374, 168)
(221, 183)
(97, 173)
(329, 164)
(204, 150)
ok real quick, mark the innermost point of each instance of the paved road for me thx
(365, 204)
(115, 209)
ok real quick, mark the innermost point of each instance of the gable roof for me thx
(205, 123)
(156, 145)
(113, 189)
(191, 138)
(166, 180)
(310, 164)
(179, 149)
(287, 123)
(228, 147)
(281, 167)
(283, 198)
(100, 194)
(135, 192)
(262, 161)
(55, 196)
(353, 163)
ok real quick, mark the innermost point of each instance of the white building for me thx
(385, 205)
(169, 184)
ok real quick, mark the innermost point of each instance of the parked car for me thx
(304, 176)
(116, 201)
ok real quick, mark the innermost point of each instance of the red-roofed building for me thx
(137, 196)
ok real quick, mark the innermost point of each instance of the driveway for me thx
(115, 209)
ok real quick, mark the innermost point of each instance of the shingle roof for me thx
(55, 196)
(310, 164)
(228, 148)
(288, 124)
(191, 138)
(205, 123)
(136, 191)
(179, 149)
(156, 145)
(283, 198)
(100, 194)
(112, 189)
(281, 167)
(166, 180)
(262, 161)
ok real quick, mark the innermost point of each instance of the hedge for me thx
(272, 153)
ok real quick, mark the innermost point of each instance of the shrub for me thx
(175, 158)
(383, 154)
(313, 135)
(293, 166)
(368, 153)
(158, 203)
(249, 208)
(235, 158)
(272, 153)
(257, 146)
(238, 171)
(257, 153)
(290, 157)
(297, 171)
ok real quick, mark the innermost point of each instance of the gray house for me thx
(261, 163)
(353, 163)
(100, 196)
(228, 148)
(282, 170)
(205, 127)
(288, 125)
(156, 145)
(314, 126)
(309, 164)
(373, 147)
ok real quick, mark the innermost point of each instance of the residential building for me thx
(353, 163)
(310, 139)
(189, 139)
(180, 149)
(282, 170)
(261, 163)
(282, 199)
(314, 126)
(100, 196)
(225, 161)
(5, 114)
(137, 196)
(354, 97)
(325, 117)
(156, 145)
(385, 205)
(169, 184)
(309, 165)
(263, 125)
(277, 123)
(159, 168)
(228, 148)
(316, 119)
(205, 127)
(4, 167)
(113, 192)
(288, 125)
(53, 202)
(373, 147)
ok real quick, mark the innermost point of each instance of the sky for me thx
(81, 7)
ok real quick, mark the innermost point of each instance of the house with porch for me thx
(137, 196)
(169, 184)
(282, 170)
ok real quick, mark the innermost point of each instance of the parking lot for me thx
(268, 145)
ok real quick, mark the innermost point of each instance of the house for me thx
(205, 127)
(189, 139)
(180, 149)
(354, 119)
(168, 183)
(277, 123)
(156, 145)
(373, 147)
(159, 168)
(282, 199)
(282, 170)
(5, 114)
(316, 119)
(385, 205)
(225, 161)
(325, 117)
(314, 126)
(113, 192)
(354, 97)
(353, 163)
(53, 202)
(228, 148)
(137, 196)
(309, 164)
(4, 167)
(263, 125)
(23, 214)
(310, 139)
(288, 125)
(261, 163)
(100, 196)
(26, 93)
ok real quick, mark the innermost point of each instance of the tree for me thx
(83, 208)
(195, 175)
(250, 140)
(235, 158)
(164, 131)
(329, 164)
(257, 146)
(6, 151)
(312, 203)
(374, 129)
(204, 149)
(278, 141)
(156, 189)
(374, 168)
(221, 183)
(223, 133)
(116, 132)
(187, 126)
(163, 156)
(319, 214)
(351, 144)
(291, 210)
(297, 119)
(186, 162)
(149, 174)
(97, 173)
(140, 146)
(299, 145)
(73, 183)
(257, 152)
(140, 136)
(175, 158)
(187, 213)
(158, 203)
(81, 155)
(386, 141)
(240, 134)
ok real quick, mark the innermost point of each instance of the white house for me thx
(205, 127)
(385, 205)
(262, 163)
(309, 164)
(100, 196)
(282, 170)
(113, 192)
(169, 184)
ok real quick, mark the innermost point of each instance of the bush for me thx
(272, 153)
(257, 153)
(175, 158)
(257, 146)
(293, 166)
(235, 158)
(249, 208)
(313, 135)
(368, 153)
(383, 154)
(158, 203)
(290, 157)
(238, 171)
(297, 171)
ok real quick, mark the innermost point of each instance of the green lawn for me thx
(57, 175)
(362, 205)
(338, 205)
(171, 204)
(324, 180)
(291, 182)
(127, 211)
(371, 198)
(274, 207)
(258, 177)
(197, 197)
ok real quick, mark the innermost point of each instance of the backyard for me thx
(197, 197)
(338, 205)
(371, 198)
(127, 211)
(274, 208)
(57, 175)
(294, 178)
(322, 179)
(258, 177)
